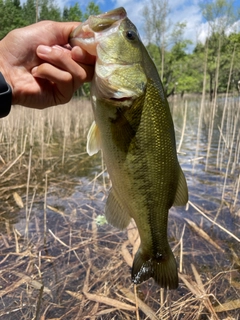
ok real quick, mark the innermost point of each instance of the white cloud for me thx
(180, 11)
(134, 10)
(191, 15)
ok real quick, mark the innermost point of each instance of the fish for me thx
(134, 129)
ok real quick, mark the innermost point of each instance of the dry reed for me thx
(56, 262)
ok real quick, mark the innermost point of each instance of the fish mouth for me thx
(121, 99)
(121, 102)
(86, 35)
(106, 20)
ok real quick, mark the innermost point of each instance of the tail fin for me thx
(162, 269)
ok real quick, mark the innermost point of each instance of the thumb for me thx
(58, 32)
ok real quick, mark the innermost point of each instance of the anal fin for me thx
(181, 197)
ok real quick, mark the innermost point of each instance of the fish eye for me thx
(131, 35)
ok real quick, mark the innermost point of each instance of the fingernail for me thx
(34, 71)
(58, 47)
(44, 49)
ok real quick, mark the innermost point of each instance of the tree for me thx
(30, 12)
(219, 15)
(233, 48)
(176, 59)
(73, 13)
(65, 15)
(10, 16)
(92, 9)
(49, 11)
(156, 24)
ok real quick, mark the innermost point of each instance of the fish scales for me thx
(134, 128)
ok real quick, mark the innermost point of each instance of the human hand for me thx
(40, 70)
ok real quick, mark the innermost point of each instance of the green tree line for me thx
(213, 65)
(13, 14)
(184, 72)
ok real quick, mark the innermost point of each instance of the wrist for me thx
(5, 97)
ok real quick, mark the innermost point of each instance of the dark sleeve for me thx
(5, 97)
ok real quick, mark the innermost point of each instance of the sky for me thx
(187, 11)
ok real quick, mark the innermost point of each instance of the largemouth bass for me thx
(134, 128)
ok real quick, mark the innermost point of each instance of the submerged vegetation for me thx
(58, 262)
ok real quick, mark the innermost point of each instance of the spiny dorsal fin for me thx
(115, 214)
(93, 139)
(181, 197)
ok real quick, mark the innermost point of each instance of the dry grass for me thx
(57, 263)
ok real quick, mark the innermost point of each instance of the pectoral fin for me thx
(93, 139)
(181, 197)
(115, 214)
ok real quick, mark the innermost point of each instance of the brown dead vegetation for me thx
(56, 262)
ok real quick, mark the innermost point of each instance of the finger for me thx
(64, 29)
(60, 82)
(61, 58)
(82, 56)
(58, 32)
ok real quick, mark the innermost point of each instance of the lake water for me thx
(56, 262)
